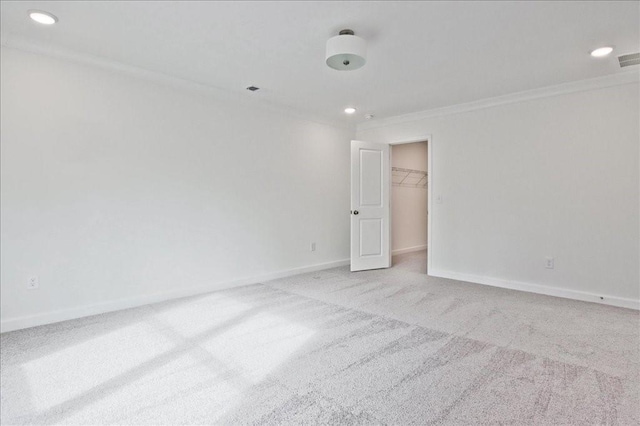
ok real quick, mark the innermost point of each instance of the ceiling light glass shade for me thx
(603, 51)
(41, 17)
(346, 52)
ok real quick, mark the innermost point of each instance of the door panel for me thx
(371, 237)
(370, 232)
(370, 178)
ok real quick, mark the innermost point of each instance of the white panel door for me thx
(370, 242)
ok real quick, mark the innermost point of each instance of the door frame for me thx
(423, 138)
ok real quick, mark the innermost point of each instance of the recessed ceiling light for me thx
(602, 51)
(42, 17)
(253, 88)
(369, 116)
(350, 110)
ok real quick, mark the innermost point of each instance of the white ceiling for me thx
(421, 55)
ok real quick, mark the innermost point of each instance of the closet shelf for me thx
(408, 178)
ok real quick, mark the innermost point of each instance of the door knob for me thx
(356, 212)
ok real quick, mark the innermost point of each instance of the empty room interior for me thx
(320, 212)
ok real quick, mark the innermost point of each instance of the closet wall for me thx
(409, 197)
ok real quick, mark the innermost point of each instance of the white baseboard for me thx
(18, 323)
(540, 289)
(409, 250)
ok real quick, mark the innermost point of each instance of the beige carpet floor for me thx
(333, 347)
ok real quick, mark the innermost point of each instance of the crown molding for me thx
(621, 78)
(219, 94)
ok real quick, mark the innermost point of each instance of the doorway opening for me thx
(410, 202)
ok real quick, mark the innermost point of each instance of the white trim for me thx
(620, 78)
(540, 289)
(430, 211)
(409, 250)
(220, 94)
(18, 323)
(417, 139)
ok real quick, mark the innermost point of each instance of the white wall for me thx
(409, 205)
(555, 176)
(117, 191)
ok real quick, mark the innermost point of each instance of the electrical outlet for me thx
(33, 283)
(549, 263)
(313, 246)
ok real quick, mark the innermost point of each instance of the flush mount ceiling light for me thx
(601, 52)
(42, 17)
(349, 110)
(346, 52)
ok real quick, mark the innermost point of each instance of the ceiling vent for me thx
(630, 59)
